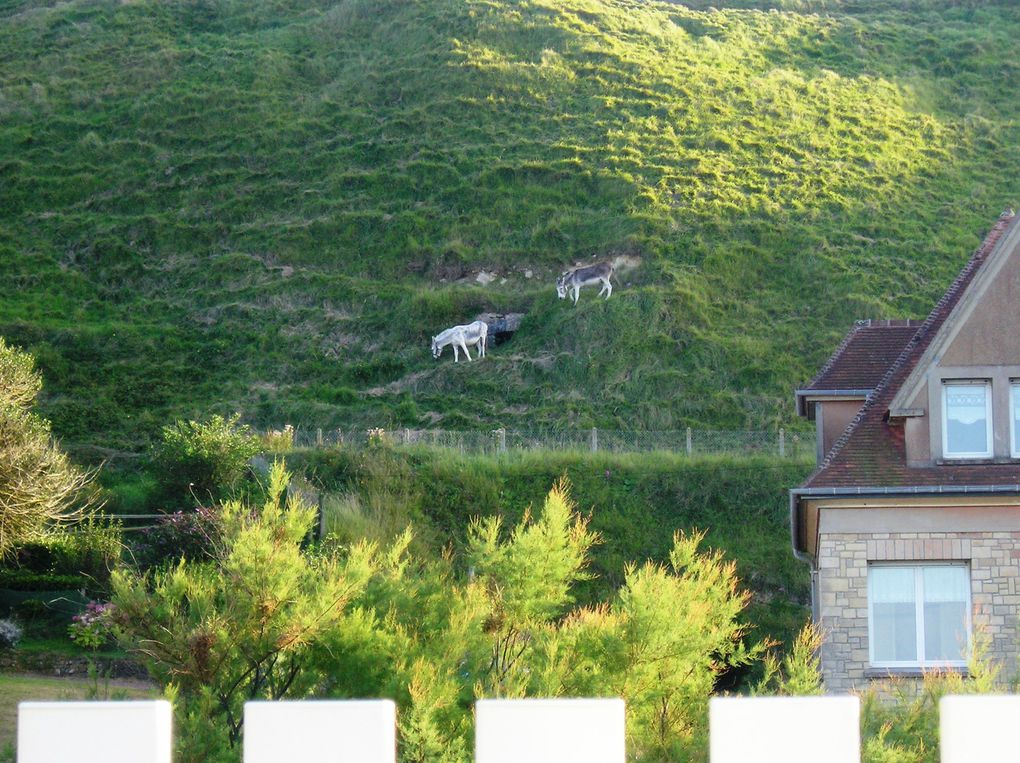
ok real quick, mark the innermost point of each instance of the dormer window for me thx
(967, 417)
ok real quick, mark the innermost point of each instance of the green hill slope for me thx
(269, 206)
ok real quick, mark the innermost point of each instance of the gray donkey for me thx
(572, 281)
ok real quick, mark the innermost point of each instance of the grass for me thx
(269, 206)
(15, 688)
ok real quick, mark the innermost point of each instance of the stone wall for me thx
(843, 559)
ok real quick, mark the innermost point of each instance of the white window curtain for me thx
(918, 614)
(892, 585)
(942, 584)
(966, 426)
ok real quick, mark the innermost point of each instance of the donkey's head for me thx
(561, 286)
(436, 348)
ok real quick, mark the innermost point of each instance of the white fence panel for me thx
(979, 728)
(320, 731)
(550, 731)
(784, 730)
(94, 732)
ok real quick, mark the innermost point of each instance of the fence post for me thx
(782, 442)
(407, 436)
(594, 440)
(690, 441)
(318, 437)
(502, 439)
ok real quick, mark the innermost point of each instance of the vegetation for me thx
(900, 720)
(267, 207)
(637, 503)
(265, 619)
(204, 459)
(39, 486)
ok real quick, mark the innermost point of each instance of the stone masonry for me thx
(843, 558)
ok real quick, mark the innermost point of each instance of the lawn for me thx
(15, 688)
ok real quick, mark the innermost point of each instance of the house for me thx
(911, 522)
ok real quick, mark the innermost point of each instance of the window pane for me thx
(945, 613)
(894, 620)
(966, 418)
(1016, 417)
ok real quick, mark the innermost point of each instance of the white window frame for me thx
(920, 662)
(1014, 392)
(987, 384)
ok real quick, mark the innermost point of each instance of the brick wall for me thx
(843, 558)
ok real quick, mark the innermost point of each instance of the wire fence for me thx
(777, 443)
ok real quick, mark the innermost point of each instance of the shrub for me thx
(241, 625)
(91, 548)
(21, 580)
(10, 633)
(40, 486)
(279, 440)
(267, 618)
(93, 628)
(187, 535)
(905, 728)
(799, 674)
(204, 459)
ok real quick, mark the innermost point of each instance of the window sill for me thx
(880, 673)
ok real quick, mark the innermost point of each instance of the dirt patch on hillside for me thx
(402, 384)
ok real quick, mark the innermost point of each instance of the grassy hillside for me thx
(269, 205)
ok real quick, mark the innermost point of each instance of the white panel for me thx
(94, 732)
(316, 731)
(550, 731)
(784, 730)
(979, 728)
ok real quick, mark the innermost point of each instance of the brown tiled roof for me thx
(871, 453)
(865, 354)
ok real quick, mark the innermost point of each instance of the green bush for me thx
(21, 580)
(93, 549)
(638, 501)
(90, 548)
(41, 487)
(203, 459)
(264, 618)
(900, 717)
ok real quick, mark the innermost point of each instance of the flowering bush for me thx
(182, 535)
(377, 437)
(10, 634)
(279, 440)
(92, 628)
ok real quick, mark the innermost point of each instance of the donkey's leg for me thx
(463, 346)
(575, 292)
(456, 354)
(609, 288)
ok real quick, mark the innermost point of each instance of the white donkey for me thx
(461, 336)
(572, 281)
